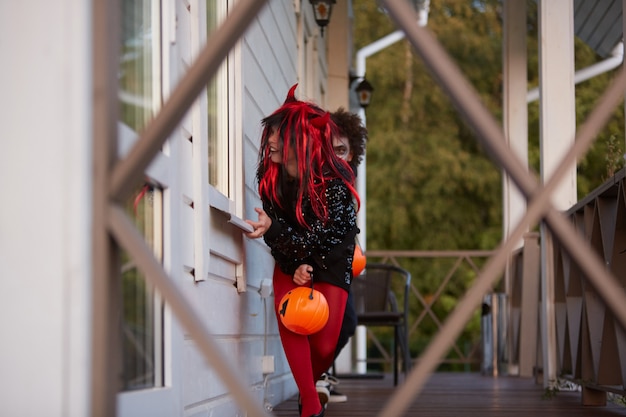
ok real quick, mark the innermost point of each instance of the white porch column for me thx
(514, 118)
(339, 96)
(515, 115)
(557, 131)
(46, 213)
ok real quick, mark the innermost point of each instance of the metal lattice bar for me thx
(105, 293)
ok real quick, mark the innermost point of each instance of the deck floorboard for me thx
(460, 394)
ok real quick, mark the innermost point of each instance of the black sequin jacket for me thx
(328, 247)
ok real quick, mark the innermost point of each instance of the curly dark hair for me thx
(351, 126)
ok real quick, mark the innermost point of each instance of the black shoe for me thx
(320, 414)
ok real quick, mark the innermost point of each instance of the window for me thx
(142, 311)
(142, 316)
(139, 62)
(217, 109)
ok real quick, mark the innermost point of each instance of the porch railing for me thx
(591, 345)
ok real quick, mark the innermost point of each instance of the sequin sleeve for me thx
(293, 245)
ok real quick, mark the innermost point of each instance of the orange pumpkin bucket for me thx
(304, 310)
(358, 261)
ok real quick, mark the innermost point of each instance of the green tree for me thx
(430, 185)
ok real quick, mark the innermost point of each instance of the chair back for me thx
(371, 289)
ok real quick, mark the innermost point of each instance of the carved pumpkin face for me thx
(304, 310)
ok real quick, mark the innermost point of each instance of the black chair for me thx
(377, 305)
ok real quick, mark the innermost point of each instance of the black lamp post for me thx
(364, 92)
(322, 10)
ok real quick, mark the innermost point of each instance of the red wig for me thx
(307, 130)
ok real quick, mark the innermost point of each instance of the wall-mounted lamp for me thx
(322, 10)
(364, 92)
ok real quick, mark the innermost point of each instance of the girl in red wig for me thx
(308, 220)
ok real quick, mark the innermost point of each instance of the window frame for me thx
(160, 400)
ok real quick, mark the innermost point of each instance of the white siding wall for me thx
(263, 67)
(210, 247)
(269, 68)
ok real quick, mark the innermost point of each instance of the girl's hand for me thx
(261, 226)
(303, 275)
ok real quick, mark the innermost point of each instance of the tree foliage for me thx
(430, 185)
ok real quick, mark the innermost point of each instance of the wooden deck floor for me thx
(460, 394)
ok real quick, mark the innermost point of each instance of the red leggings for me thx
(310, 356)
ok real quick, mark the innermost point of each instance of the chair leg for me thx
(406, 355)
(395, 356)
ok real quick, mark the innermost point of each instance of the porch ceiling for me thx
(599, 24)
